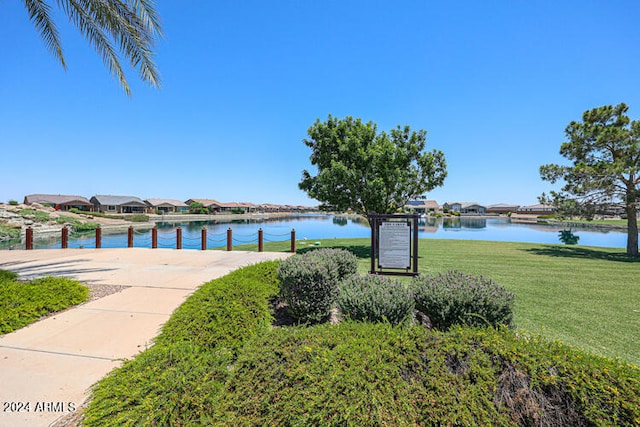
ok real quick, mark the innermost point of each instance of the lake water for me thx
(315, 227)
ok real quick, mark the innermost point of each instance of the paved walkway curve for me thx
(47, 368)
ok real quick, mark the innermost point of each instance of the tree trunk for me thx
(632, 224)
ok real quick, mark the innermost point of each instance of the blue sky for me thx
(493, 82)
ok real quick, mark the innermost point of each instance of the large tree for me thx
(129, 27)
(604, 149)
(368, 171)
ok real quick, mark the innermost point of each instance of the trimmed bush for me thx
(459, 298)
(345, 262)
(375, 299)
(309, 286)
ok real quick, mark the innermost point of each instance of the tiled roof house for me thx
(118, 204)
(62, 202)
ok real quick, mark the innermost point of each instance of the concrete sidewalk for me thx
(47, 368)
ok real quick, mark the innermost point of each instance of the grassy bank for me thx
(584, 296)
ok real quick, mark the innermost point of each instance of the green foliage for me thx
(198, 208)
(568, 237)
(24, 303)
(366, 171)
(355, 373)
(38, 216)
(8, 276)
(77, 225)
(377, 374)
(459, 298)
(138, 218)
(375, 299)
(344, 262)
(604, 149)
(9, 233)
(577, 294)
(13, 202)
(225, 310)
(127, 30)
(178, 380)
(309, 287)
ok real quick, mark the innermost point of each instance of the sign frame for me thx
(392, 240)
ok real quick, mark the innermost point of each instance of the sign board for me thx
(394, 244)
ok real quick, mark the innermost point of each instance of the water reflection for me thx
(340, 220)
(568, 237)
(316, 227)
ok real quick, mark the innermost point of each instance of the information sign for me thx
(395, 245)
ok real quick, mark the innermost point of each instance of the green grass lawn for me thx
(587, 297)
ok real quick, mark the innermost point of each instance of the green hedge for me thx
(24, 303)
(376, 374)
(177, 381)
(218, 362)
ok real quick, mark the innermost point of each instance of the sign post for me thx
(394, 244)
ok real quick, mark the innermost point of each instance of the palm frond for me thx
(128, 27)
(93, 32)
(40, 15)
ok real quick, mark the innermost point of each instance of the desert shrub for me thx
(38, 216)
(138, 218)
(9, 233)
(459, 298)
(345, 262)
(309, 286)
(85, 226)
(13, 202)
(375, 299)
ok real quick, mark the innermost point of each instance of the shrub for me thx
(138, 218)
(369, 374)
(13, 202)
(309, 286)
(375, 299)
(179, 378)
(85, 226)
(345, 262)
(38, 216)
(8, 233)
(24, 303)
(8, 276)
(458, 298)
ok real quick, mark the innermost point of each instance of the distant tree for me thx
(605, 153)
(132, 25)
(197, 208)
(368, 171)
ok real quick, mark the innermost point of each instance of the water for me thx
(316, 227)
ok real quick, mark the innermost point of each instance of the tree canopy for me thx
(367, 171)
(604, 149)
(130, 25)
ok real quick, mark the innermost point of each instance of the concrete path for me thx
(47, 368)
